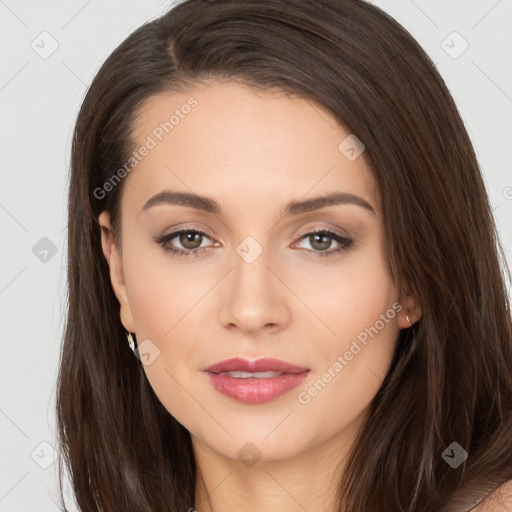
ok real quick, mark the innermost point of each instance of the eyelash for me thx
(163, 241)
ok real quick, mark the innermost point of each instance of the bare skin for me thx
(253, 153)
(499, 500)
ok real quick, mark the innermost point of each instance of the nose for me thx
(254, 297)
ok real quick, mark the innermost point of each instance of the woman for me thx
(276, 206)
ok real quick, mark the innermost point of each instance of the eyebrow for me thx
(209, 205)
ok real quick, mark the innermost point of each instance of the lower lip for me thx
(256, 391)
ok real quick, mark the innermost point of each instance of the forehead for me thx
(232, 142)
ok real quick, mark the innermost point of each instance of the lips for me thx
(257, 381)
(265, 364)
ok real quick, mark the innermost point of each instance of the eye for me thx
(190, 240)
(320, 240)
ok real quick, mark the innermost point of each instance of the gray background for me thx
(40, 93)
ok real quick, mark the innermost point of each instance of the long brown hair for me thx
(451, 376)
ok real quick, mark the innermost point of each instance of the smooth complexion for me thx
(253, 153)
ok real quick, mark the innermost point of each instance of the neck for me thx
(308, 481)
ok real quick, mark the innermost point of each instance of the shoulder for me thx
(499, 500)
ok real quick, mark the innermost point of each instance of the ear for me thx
(114, 261)
(411, 308)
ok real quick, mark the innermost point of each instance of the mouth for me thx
(257, 381)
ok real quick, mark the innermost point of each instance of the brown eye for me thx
(321, 240)
(190, 239)
(187, 242)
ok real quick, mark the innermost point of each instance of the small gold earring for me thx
(408, 320)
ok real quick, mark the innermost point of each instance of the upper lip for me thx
(264, 364)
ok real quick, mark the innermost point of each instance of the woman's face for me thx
(258, 283)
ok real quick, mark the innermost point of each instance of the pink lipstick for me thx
(255, 382)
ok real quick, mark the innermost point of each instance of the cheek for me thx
(160, 303)
(161, 290)
(350, 297)
(164, 301)
(362, 309)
